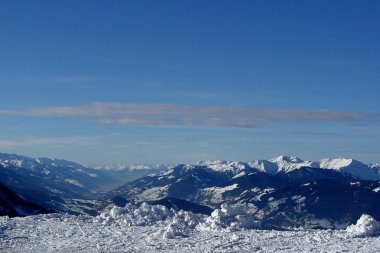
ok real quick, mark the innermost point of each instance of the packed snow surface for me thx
(155, 228)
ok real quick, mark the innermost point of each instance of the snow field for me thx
(155, 228)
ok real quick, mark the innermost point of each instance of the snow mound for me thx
(178, 223)
(182, 223)
(364, 227)
(230, 217)
(131, 215)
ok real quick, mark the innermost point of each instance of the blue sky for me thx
(102, 82)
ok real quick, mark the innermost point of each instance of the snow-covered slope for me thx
(12, 205)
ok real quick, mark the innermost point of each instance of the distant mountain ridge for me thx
(279, 164)
(131, 167)
(59, 184)
(285, 164)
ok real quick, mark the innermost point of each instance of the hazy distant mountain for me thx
(130, 172)
(284, 191)
(131, 167)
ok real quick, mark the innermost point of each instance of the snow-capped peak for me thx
(334, 164)
(224, 166)
(264, 166)
(352, 167)
(287, 164)
(286, 159)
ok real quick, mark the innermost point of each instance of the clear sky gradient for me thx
(102, 82)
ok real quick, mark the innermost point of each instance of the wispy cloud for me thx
(50, 142)
(174, 114)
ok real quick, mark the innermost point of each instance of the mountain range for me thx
(282, 192)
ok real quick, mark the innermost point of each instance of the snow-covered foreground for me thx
(155, 228)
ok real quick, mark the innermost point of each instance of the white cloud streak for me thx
(173, 115)
(50, 142)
